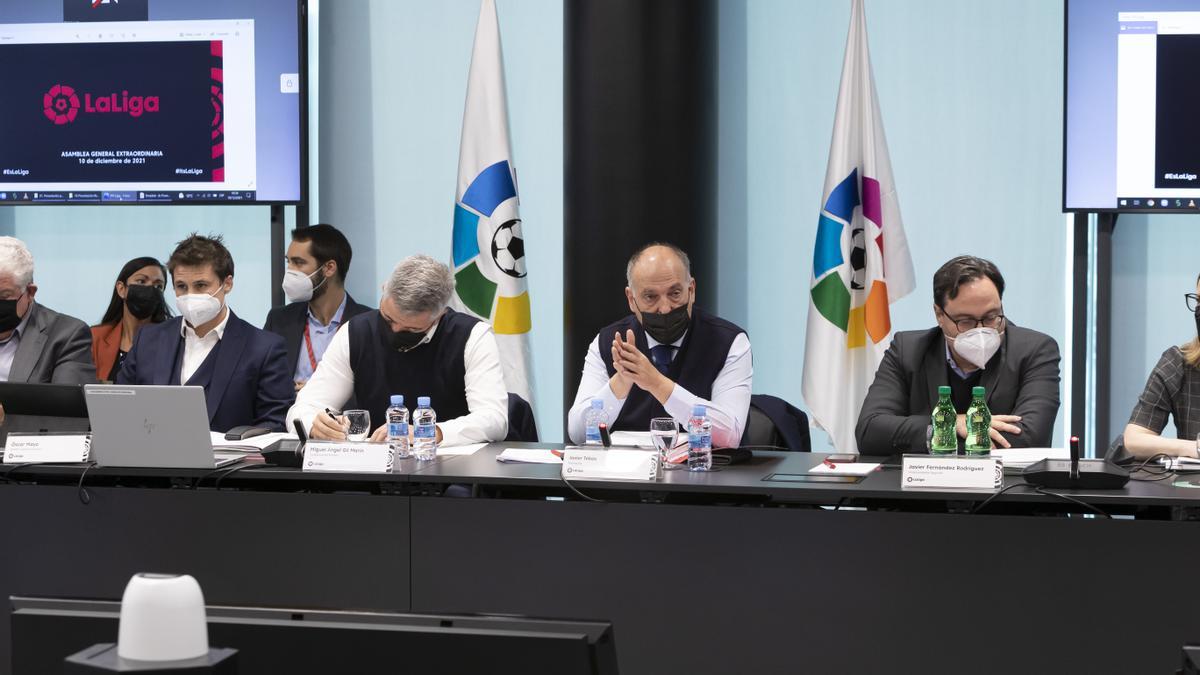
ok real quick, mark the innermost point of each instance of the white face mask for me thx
(199, 308)
(977, 345)
(298, 286)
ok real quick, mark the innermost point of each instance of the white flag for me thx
(861, 262)
(488, 249)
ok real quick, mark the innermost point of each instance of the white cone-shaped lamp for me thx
(162, 619)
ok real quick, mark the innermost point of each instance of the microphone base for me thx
(1094, 474)
(103, 658)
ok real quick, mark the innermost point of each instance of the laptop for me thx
(152, 426)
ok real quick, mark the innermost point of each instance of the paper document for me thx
(457, 450)
(633, 439)
(254, 444)
(529, 456)
(846, 468)
(1183, 464)
(1019, 458)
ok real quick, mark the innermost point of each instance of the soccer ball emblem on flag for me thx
(489, 251)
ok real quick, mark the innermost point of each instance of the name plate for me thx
(957, 472)
(56, 448)
(612, 464)
(348, 457)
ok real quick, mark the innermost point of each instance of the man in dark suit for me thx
(318, 260)
(243, 370)
(972, 345)
(37, 344)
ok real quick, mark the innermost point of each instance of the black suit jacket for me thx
(288, 321)
(1021, 379)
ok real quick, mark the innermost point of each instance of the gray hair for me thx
(637, 255)
(420, 284)
(15, 259)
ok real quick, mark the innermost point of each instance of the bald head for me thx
(660, 279)
(658, 259)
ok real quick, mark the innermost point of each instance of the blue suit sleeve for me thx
(276, 391)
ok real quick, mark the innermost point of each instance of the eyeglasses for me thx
(1192, 301)
(965, 324)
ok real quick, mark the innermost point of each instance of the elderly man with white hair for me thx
(37, 344)
(413, 345)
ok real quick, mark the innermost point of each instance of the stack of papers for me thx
(1181, 464)
(846, 468)
(529, 456)
(455, 450)
(1019, 458)
(254, 444)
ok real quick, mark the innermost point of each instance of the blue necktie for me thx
(660, 356)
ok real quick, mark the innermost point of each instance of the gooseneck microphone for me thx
(1074, 458)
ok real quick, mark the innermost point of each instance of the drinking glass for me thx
(358, 425)
(664, 432)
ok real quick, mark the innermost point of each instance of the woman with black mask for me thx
(1173, 389)
(137, 300)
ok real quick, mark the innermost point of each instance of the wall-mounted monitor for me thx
(1130, 138)
(152, 102)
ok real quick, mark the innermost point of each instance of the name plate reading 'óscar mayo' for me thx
(348, 457)
(956, 472)
(598, 463)
(52, 448)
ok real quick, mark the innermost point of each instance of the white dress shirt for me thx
(8, 348)
(727, 410)
(487, 398)
(196, 348)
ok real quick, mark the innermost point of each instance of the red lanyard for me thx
(312, 358)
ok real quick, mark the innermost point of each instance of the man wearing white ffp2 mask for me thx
(319, 306)
(242, 369)
(974, 344)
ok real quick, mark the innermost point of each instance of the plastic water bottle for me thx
(592, 418)
(424, 430)
(979, 424)
(699, 440)
(397, 430)
(945, 438)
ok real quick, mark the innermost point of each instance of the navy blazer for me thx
(251, 383)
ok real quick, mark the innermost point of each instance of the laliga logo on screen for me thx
(61, 104)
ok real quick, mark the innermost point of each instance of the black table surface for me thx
(749, 480)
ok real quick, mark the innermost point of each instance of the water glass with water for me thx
(358, 425)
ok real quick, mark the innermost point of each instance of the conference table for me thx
(720, 572)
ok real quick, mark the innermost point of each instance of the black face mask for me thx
(1197, 323)
(402, 340)
(669, 327)
(8, 315)
(142, 301)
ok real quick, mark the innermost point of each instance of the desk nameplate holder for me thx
(598, 463)
(951, 472)
(347, 457)
(47, 448)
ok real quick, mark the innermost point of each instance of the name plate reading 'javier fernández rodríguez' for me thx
(955, 472)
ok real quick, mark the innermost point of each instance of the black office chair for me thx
(775, 422)
(521, 425)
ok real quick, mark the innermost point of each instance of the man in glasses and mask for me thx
(37, 344)
(413, 345)
(318, 260)
(974, 344)
(244, 370)
(666, 356)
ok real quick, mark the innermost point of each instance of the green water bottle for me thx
(979, 425)
(945, 439)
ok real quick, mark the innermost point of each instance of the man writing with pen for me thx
(412, 345)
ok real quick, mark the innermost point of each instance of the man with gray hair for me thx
(412, 345)
(666, 356)
(37, 344)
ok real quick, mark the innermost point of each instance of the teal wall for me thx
(971, 96)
